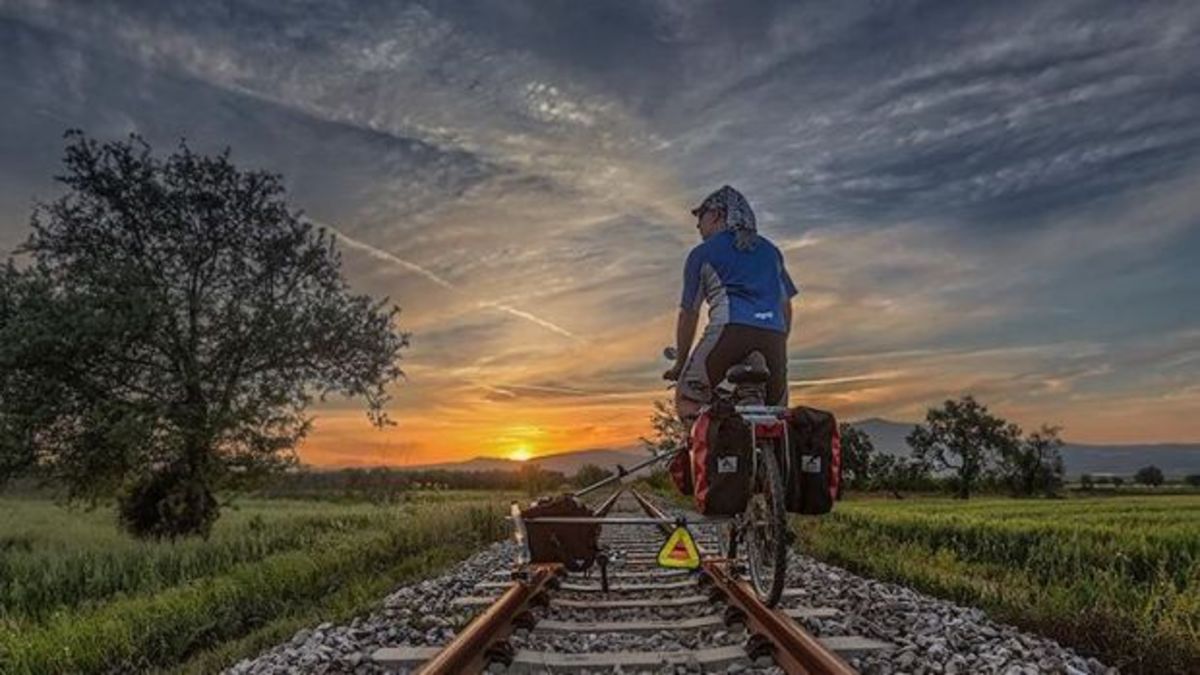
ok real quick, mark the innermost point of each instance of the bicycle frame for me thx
(773, 416)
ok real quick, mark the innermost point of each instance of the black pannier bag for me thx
(814, 470)
(573, 544)
(721, 453)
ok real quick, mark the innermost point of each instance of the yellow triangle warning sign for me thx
(679, 551)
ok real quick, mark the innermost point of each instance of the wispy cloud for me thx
(997, 199)
(389, 258)
(413, 267)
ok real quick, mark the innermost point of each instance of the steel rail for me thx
(468, 651)
(605, 506)
(794, 650)
(653, 511)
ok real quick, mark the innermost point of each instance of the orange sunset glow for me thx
(956, 220)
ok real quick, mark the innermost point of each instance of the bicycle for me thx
(762, 527)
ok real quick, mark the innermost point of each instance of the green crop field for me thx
(1118, 577)
(78, 596)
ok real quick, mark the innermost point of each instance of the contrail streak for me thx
(413, 267)
(388, 257)
(529, 317)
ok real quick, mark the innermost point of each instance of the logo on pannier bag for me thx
(727, 464)
(810, 463)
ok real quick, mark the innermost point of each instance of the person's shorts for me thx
(721, 347)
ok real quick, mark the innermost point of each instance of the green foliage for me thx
(590, 473)
(894, 474)
(1034, 465)
(659, 481)
(166, 505)
(1192, 479)
(1149, 475)
(389, 485)
(964, 438)
(538, 481)
(173, 325)
(1114, 576)
(76, 597)
(857, 452)
(669, 431)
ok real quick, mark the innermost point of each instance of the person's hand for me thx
(673, 373)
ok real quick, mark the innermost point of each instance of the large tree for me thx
(962, 437)
(170, 324)
(857, 449)
(1035, 463)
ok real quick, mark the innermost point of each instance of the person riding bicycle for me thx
(742, 277)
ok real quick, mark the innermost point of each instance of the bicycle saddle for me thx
(751, 371)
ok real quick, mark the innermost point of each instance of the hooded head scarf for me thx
(739, 217)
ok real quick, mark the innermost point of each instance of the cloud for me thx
(389, 258)
(996, 199)
(999, 115)
(413, 267)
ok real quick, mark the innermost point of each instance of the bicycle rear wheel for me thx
(765, 525)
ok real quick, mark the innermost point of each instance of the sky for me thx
(992, 198)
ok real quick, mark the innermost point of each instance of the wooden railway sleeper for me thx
(524, 622)
(759, 646)
(733, 617)
(602, 561)
(500, 651)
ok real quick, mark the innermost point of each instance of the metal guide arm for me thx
(622, 471)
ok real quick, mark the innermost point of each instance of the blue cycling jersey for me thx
(741, 287)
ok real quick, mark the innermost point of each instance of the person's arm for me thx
(689, 313)
(789, 291)
(685, 332)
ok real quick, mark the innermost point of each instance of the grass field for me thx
(77, 596)
(1117, 577)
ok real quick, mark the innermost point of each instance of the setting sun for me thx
(521, 454)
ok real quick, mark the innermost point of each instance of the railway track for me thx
(546, 620)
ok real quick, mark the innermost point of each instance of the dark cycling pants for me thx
(720, 348)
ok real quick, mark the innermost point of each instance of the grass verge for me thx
(1119, 579)
(250, 602)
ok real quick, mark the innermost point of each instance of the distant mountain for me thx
(1175, 459)
(566, 462)
(886, 435)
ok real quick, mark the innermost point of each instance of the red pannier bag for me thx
(813, 475)
(721, 454)
(680, 469)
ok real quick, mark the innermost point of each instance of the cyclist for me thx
(742, 277)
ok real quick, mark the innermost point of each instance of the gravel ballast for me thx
(929, 635)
